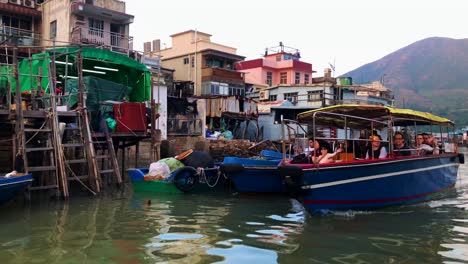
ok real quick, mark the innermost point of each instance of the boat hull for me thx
(369, 185)
(206, 182)
(10, 187)
(253, 175)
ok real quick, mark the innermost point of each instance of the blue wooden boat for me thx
(13, 185)
(182, 180)
(253, 175)
(371, 183)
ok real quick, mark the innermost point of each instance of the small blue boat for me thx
(253, 175)
(13, 185)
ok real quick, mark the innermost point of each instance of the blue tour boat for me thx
(358, 184)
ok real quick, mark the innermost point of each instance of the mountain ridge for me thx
(427, 75)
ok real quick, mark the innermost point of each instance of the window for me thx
(96, 27)
(214, 63)
(283, 77)
(291, 97)
(273, 97)
(186, 60)
(297, 80)
(214, 88)
(53, 29)
(315, 96)
(193, 61)
(278, 57)
(269, 78)
(306, 78)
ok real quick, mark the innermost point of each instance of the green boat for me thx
(182, 180)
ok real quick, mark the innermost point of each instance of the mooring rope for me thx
(37, 132)
(78, 179)
(201, 172)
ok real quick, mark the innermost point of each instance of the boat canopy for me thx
(105, 64)
(399, 117)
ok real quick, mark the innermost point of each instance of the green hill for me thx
(429, 75)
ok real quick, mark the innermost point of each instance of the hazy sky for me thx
(349, 33)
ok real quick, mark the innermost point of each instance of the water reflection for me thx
(210, 229)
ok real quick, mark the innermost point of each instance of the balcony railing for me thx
(19, 37)
(222, 75)
(115, 41)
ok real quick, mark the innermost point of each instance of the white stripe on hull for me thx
(10, 183)
(385, 175)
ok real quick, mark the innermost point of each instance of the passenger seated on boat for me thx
(429, 145)
(326, 155)
(399, 147)
(361, 146)
(313, 145)
(376, 150)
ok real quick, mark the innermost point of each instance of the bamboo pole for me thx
(19, 125)
(57, 142)
(89, 147)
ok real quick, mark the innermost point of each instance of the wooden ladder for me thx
(107, 158)
(40, 155)
(76, 158)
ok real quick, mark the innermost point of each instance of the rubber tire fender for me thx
(185, 178)
(292, 178)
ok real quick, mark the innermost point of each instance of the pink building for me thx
(280, 65)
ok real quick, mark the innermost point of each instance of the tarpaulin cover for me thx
(97, 91)
(127, 71)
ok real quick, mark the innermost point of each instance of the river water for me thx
(122, 227)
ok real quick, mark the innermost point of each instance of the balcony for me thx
(222, 75)
(114, 41)
(19, 37)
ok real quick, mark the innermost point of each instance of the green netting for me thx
(97, 92)
(130, 73)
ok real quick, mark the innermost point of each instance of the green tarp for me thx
(97, 92)
(126, 71)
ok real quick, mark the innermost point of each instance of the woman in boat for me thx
(326, 155)
(376, 150)
(399, 147)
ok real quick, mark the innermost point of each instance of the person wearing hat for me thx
(376, 150)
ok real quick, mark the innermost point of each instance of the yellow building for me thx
(94, 22)
(207, 66)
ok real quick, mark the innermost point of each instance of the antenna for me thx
(332, 66)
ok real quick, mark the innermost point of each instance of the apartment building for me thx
(280, 65)
(207, 66)
(95, 22)
(20, 23)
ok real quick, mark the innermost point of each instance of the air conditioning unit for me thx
(16, 2)
(263, 95)
(29, 3)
